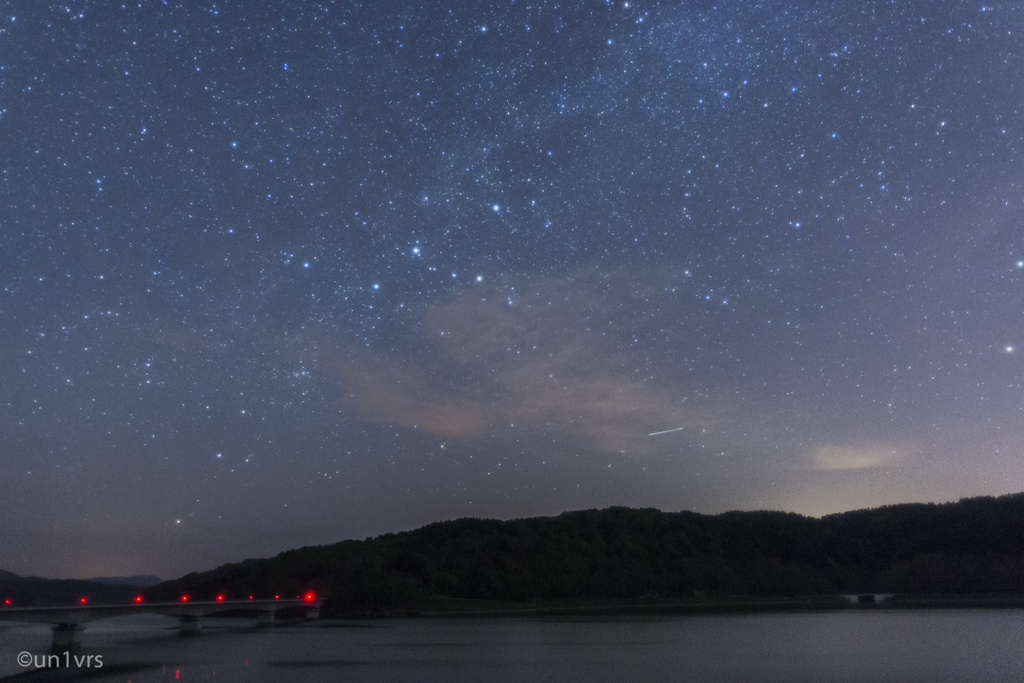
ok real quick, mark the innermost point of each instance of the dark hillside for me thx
(970, 547)
(32, 591)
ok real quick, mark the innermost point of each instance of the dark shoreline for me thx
(445, 608)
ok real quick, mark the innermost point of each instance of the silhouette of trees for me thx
(973, 546)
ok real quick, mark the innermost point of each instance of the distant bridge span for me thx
(68, 621)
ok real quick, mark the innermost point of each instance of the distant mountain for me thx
(25, 591)
(139, 581)
(974, 546)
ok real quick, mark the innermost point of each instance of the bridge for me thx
(68, 621)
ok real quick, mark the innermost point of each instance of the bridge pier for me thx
(265, 619)
(66, 636)
(190, 624)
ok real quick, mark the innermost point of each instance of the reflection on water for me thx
(872, 645)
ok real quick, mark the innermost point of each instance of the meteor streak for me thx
(666, 431)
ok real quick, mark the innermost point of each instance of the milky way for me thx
(277, 274)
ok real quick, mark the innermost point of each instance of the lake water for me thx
(858, 645)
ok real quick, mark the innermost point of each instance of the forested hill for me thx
(28, 591)
(973, 546)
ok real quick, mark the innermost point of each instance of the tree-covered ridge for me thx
(973, 546)
(32, 591)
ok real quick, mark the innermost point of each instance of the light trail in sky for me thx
(666, 431)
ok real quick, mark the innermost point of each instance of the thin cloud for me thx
(523, 361)
(854, 457)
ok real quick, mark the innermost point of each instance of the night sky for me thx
(280, 274)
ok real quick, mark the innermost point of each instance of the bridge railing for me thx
(69, 620)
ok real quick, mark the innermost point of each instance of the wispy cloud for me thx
(855, 457)
(537, 360)
(407, 400)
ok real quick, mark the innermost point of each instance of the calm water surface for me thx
(960, 645)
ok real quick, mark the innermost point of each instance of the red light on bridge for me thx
(138, 598)
(277, 597)
(309, 597)
(250, 597)
(7, 601)
(220, 598)
(184, 598)
(83, 600)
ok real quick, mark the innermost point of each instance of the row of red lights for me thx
(81, 601)
(308, 597)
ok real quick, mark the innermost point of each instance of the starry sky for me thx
(286, 273)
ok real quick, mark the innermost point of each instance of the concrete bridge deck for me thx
(69, 621)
